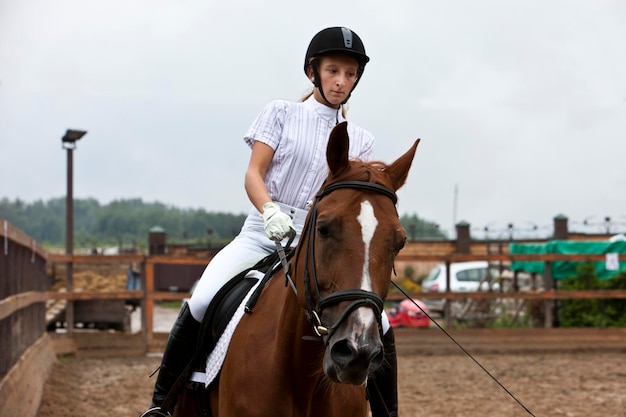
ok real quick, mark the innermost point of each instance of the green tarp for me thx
(566, 269)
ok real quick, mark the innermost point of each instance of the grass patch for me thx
(171, 304)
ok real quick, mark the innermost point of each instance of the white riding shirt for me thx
(298, 133)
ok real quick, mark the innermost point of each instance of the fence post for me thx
(463, 246)
(148, 311)
(548, 284)
(447, 307)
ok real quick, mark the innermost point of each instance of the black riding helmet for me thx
(335, 39)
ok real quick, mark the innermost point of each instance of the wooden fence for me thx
(23, 293)
(23, 286)
(26, 354)
(547, 293)
(148, 296)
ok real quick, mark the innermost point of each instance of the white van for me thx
(464, 277)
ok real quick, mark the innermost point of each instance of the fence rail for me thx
(24, 289)
(148, 296)
(22, 294)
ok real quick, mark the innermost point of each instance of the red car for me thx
(408, 314)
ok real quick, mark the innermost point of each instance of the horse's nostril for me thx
(343, 352)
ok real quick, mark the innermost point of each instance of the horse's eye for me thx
(400, 242)
(323, 231)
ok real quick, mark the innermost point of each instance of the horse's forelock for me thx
(372, 171)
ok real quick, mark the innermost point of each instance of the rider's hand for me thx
(276, 223)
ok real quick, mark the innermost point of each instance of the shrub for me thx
(592, 312)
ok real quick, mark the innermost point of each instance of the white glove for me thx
(276, 223)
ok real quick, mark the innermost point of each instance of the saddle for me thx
(216, 319)
(228, 299)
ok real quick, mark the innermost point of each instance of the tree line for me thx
(127, 222)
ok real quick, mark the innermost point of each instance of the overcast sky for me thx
(521, 105)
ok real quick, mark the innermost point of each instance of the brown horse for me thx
(309, 353)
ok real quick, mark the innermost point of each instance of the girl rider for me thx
(286, 169)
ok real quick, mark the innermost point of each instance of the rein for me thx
(469, 355)
(358, 297)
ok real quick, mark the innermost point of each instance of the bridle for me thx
(358, 297)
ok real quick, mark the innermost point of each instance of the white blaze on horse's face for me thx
(368, 222)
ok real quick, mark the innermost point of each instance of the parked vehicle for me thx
(464, 277)
(409, 313)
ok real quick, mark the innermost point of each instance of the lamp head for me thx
(71, 137)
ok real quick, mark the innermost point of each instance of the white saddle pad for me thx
(216, 358)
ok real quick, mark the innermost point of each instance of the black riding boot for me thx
(382, 388)
(179, 350)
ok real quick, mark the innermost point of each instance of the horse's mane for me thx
(359, 170)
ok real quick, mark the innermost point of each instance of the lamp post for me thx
(510, 227)
(68, 142)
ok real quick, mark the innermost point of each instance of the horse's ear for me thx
(399, 170)
(337, 149)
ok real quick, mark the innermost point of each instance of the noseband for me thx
(358, 297)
